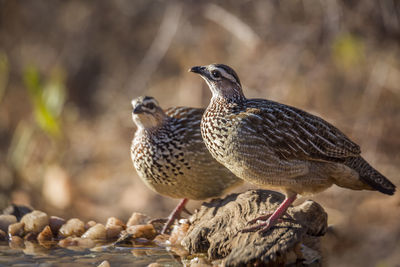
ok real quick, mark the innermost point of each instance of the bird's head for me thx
(146, 112)
(222, 80)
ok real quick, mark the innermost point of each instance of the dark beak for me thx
(198, 69)
(137, 110)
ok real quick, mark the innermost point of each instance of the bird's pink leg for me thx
(272, 219)
(174, 215)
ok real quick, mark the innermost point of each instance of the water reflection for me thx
(34, 254)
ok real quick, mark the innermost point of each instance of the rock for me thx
(112, 221)
(142, 231)
(97, 232)
(55, 224)
(16, 229)
(199, 262)
(114, 227)
(179, 232)
(113, 231)
(3, 235)
(137, 218)
(154, 264)
(90, 224)
(78, 242)
(216, 229)
(16, 242)
(104, 264)
(45, 236)
(73, 227)
(35, 221)
(17, 210)
(30, 236)
(6, 220)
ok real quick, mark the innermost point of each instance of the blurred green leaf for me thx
(48, 100)
(347, 51)
(54, 92)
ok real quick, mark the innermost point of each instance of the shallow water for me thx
(36, 255)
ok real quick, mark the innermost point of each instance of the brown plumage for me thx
(169, 154)
(278, 146)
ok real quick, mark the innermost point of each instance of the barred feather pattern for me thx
(279, 146)
(173, 160)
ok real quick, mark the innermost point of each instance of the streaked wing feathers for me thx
(294, 133)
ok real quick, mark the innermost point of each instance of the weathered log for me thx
(216, 230)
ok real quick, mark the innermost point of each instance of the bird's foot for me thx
(266, 216)
(270, 219)
(262, 227)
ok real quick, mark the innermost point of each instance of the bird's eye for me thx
(216, 74)
(150, 106)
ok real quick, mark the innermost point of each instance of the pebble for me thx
(17, 210)
(73, 227)
(55, 224)
(97, 232)
(16, 242)
(154, 264)
(199, 262)
(113, 231)
(179, 232)
(104, 264)
(137, 218)
(90, 224)
(3, 235)
(114, 227)
(142, 231)
(35, 221)
(70, 242)
(30, 236)
(45, 236)
(162, 240)
(112, 221)
(6, 220)
(16, 229)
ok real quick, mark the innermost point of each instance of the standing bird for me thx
(278, 146)
(170, 157)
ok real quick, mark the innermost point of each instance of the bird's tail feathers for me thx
(370, 176)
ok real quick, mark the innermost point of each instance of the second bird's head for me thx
(221, 79)
(146, 112)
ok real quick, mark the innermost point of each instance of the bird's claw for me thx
(261, 218)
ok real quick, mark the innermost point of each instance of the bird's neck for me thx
(230, 96)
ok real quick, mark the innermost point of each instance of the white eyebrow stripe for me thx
(227, 75)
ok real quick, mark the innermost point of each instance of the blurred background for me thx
(68, 70)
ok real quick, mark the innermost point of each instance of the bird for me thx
(279, 147)
(170, 157)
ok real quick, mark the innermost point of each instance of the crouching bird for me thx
(279, 147)
(170, 157)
